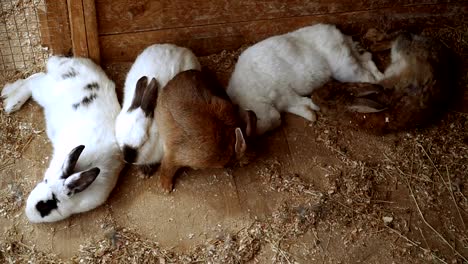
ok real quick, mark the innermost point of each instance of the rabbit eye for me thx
(45, 180)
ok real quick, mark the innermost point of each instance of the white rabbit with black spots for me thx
(136, 129)
(80, 107)
(277, 74)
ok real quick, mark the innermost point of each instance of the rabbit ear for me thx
(250, 120)
(80, 181)
(139, 93)
(363, 105)
(240, 146)
(70, 163)
(363, 89)
(150, 98)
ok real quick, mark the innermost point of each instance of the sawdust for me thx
(123, 245)
(366, 195)
(223, 63)
(16, 136)
(368, 190)
(13, 250)
(291, 219)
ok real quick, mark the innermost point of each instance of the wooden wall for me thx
(55, 29)
(125, 27)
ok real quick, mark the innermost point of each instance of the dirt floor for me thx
(309, 193)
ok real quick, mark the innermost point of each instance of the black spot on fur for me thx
(70, 74)
(46, 207)
(86, 101)
(92, 86)
(130, 154)
(89, 99)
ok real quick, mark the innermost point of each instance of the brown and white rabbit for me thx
(416, 86)
(199, 126)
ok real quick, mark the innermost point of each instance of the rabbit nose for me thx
(129, 153)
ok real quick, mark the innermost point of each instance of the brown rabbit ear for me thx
(139, 92)
(240, 146)
(150, 98)
(250, 120)
(363, 105)
(363, 89)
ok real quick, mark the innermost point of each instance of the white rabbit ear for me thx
(70, 163)
(240, 146)
(150, 98)
(139, 93)
(250, 120)
(80, 181)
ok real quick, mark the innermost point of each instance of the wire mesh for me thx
(20, 35)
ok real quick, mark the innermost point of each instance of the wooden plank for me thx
(91, 30)
(78, 28)
(125, 16)
(83, 24)
(44, 28)
(210, 39)
(56, 30)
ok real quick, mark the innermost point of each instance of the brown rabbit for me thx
(199, 126)
(416, 86)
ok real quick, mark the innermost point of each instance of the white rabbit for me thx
(276, 74)
(136, 129)
(80, 107)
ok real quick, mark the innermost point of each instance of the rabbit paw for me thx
(14, 95)
(366, 56)
(368, 63)
(305, 108)
(166, 185)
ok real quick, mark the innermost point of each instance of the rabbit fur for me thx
(198, 126)
(416, 87)
(277, 74)
(136, 128)
(80, 106)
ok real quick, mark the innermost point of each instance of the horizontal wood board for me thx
(208, 39)
(126, 16)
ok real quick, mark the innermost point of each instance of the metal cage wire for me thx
(20, 35)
